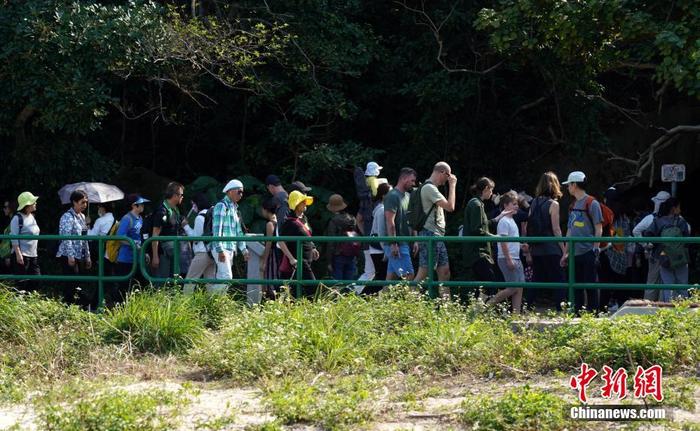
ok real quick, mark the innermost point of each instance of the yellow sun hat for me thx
(24, 199)
(296, 197)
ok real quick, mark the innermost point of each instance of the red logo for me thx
(614, 383)
(582, 381)
(646, 382)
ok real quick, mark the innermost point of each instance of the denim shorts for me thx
(439, 254)
(400, 265)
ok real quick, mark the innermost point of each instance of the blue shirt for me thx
(582, 223)
(130, 225)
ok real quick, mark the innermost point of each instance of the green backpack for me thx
(673, 254)
(415, 215)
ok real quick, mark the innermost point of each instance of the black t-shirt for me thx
(520, 217)
(292, 227)
(168, 221)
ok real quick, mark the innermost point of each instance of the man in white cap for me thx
(653, 274)
(585, 220)
(226, 223)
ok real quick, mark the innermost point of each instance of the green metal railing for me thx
(100, 278)
(430, 283)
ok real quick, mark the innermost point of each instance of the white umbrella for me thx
(97, 192)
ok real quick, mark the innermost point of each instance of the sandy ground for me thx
(244, 407)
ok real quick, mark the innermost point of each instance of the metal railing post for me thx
(431, 258)
(572, 276)
(300, 268)
(100, 274)
(176, 258)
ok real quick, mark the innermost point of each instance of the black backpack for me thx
(207, 229)
(147, 227)
(20, 222)
(364, 196)
(415, 214)
(535, 222)
(208, 222)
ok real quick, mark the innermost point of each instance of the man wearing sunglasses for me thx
(226, 223)
(166, 222)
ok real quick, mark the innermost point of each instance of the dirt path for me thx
(430, 405)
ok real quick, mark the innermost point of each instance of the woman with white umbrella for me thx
(74, 254)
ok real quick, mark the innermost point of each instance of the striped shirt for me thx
(225, 222)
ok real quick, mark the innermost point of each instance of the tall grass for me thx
(520, 409)
(345, 335)
(155, 322)
(402, 331)
(43, 337)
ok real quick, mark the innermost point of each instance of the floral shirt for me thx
(73, 223)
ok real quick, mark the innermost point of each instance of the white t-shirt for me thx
(508, 227)
(198, 246)
(378, 226)
(102, 225)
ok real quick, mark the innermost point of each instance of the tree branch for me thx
(435, 30)
(527, 106)
(647, 157)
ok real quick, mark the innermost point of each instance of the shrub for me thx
(332, 404)
(116, 410)
(213, 310)
(519, 409)
(402, 331)
(44, 338)
(155, 321)
(670, 338)
(348, 335)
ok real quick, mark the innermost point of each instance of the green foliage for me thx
(44, 339)
(401, 332)
(219, 423)
(60, 56)
(598, 36)
(350, 335)
(518, 409)
(212, 310)
(117, 410)
(332, 404)
(669, 339)
(680, 392)
(159, 322)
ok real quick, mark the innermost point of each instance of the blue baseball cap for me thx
(134, 199)
(272, 180)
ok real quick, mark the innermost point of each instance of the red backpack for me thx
(608, 217)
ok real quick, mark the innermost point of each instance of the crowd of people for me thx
(406, 209)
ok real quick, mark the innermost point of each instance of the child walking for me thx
(509, 254)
